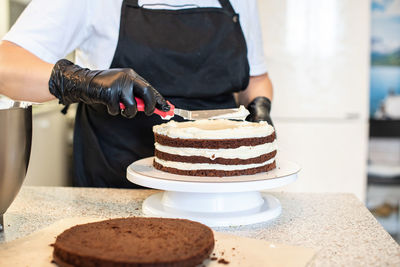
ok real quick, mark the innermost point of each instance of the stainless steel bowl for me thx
(15, 149)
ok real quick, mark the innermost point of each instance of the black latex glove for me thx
(259, 110)
(71, 83)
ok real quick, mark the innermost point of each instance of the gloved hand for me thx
(259, 110)
(71, 83)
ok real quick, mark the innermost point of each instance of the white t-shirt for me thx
(51, 29)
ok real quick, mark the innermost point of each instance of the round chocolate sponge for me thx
(134, 242)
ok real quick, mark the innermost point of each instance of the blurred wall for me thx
(4, 17)
(318, 58)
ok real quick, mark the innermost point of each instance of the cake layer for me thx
(134, 242)
(213, 143)
(216, 173)
(214, 147)
(207, 166)
(218, 160)
(214, 129)
(243, 152)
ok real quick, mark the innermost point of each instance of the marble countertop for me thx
(338, 226)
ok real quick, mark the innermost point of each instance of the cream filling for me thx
(243, 152)
(240, 114)
(214, 129)
(206, 166)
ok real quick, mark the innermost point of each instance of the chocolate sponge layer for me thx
(213, 143)
(134, 242)
(224, 161)
(216, 173)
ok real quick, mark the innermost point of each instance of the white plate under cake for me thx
(214, 147)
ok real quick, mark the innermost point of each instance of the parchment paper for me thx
(35, 250)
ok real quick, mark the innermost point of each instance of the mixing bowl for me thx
(15, 149)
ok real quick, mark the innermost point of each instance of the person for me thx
(197, 55)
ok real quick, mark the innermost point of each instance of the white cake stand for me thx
(214, 201)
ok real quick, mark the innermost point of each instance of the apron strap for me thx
(134, 3)
(226, 4)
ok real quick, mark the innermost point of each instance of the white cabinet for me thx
(332, 155)
(318, 58)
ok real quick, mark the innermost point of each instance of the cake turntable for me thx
(214, 201)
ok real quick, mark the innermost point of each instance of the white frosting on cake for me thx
(243, 152)
(214, 129)
(240, 114)
(206, 166)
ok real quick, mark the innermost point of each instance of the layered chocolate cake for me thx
(134, 242)
(214, 147)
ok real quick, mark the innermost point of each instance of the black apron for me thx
(195, 57)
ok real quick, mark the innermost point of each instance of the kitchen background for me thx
(335, 65)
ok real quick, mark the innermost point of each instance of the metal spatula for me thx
(231, 113)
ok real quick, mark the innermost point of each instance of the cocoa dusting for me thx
(223, 261)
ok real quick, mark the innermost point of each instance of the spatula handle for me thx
(162, 114)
